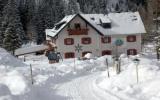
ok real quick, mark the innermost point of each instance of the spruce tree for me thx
(11, 39)
(72, 7)
(12, 17)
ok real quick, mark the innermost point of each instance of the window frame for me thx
(77, 26)
(108, 39)
(109, 52)
(84, 39)
(133, 38)
(66, 43)
(134, 52)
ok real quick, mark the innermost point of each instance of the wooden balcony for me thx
(78, 31)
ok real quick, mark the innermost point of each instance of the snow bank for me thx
(6, 59)
(14, 81)
(125, 84)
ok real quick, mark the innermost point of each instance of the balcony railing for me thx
(78, 31)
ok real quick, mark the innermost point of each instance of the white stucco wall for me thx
(93, 47)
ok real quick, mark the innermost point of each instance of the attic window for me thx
(77, 26)
(57, 26)
(92, 18)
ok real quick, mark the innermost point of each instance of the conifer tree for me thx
(12, 17)
(72, 7)
(11, 39)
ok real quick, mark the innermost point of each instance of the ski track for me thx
(84, 88)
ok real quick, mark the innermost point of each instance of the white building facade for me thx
(99, 34)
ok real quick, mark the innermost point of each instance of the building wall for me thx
(96, 47)
(93, 47)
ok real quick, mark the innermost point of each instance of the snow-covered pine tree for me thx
(12, 17)
(72, 7)
(60, 10)
(47, 15)
(11, 40)
(2, 25)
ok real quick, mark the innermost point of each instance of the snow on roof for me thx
(53, 32)
(31, 49)
(121, 23)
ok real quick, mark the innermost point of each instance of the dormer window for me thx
(106, 25)
(77, 26)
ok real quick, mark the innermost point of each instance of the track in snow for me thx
(83, 88)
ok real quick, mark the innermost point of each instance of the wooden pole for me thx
(107, 68)
(137, 73)
(31, 74)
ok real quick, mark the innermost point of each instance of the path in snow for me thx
(84, 88)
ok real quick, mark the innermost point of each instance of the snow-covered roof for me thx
(59, 26)
(31, 49)
(121, 23)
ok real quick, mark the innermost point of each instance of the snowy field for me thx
(74, 79)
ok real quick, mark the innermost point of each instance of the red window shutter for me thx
(131, 38)
(106, 39)
(131, 52)
(106, 52)
(69, 55)
(84, 53)
(86, 40)
(69, 41)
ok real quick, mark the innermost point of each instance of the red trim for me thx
(69, 41)
(106, 52)
(86, 40)
(106, 39)
(131, 38)
(131, 52)
(69, 55)
(85, 52)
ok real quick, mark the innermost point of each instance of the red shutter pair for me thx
(131, 38)
(86, 40)
(106, 52)
(69, 41)
(69, 55)
(131, 52)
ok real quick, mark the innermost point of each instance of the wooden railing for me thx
(78, 31)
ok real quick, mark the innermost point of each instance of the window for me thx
(106, 39)
(77, 26)
(86, 40)
(84, 53)
(131, 52)
(68, 41)
(106, 25)
(106, 52)
(69, 55)
(131, 38)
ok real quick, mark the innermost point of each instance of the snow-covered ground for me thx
(74, 79)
